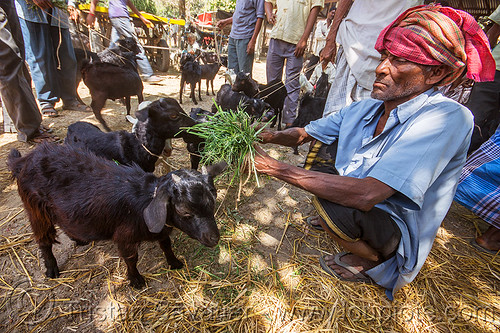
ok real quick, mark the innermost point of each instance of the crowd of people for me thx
(396, 145)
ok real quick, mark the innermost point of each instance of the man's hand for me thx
(328, 54)
(300, 48)
(222, 23)
(251, 47)
(263, 162)
(272, 19)
(43, 4)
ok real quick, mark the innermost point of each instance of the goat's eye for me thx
(174, 116)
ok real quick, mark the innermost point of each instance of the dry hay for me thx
(239, 287)
(262, 277)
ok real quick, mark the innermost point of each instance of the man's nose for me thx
(383, 66)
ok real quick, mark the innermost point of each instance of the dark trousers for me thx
(15, 81)
(484, 102)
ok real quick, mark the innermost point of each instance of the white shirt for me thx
(320, 36)
(359, 31)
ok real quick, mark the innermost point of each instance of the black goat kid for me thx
(91, 198)
(160, 120)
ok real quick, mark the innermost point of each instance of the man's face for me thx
(398, 79)
(331, 14)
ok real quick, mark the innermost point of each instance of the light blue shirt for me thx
(118, 8)
(28, 11)
(420, 154)
(245, 16)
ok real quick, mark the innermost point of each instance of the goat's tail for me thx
(13, 162)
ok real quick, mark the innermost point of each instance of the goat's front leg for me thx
(193, 93)
(129, 254)
(199, 90)
(182, 88)
(166, 246)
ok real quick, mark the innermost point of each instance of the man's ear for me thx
(437, 74)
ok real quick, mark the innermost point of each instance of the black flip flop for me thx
(359, 277)
(314, 226)
(482, 249)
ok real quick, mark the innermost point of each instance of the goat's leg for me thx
(181, 91)
(49, 260)
(193, 93)
(127, 104)
(199, 90)
(98, 101)
(208, 83)
(129, 254)
(140, 97)
(212, 82)
(166, 246)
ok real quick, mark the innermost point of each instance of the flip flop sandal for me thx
(482, 249)
(314, 226)
(359, 277)
(50, 112)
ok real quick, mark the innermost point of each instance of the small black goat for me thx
(273, 93)
(160, 120)
(112, 55)
(208, 72)
(322, 86)
(190, 73)
(310, 109)
(91, 198)
(228, 99)
(109, 81)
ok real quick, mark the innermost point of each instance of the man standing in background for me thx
(122, 27)
(246, 23)
(293, 23)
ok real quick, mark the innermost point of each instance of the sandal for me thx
(358, 275)
(42, 135)
(49, 111)
(314, 226)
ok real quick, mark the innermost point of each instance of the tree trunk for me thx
(182, 8)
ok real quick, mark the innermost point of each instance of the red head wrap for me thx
(435, 35)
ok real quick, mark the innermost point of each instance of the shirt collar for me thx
(406, 109)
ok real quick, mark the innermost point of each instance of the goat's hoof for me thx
(195, 103)
(176, 264)
(81, 243)
(52, 272)
(137, 282)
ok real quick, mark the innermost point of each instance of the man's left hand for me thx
(263, 162)
(251, 47)
(300, 48)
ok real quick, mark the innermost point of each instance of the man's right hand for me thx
(43, 4)
(272, 19)
(265, 136)
(222, 23)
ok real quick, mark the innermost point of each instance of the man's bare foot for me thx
(315, 222)
(349, 266)
(490, 240)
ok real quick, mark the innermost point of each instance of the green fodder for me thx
(229, 136)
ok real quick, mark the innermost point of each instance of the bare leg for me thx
(363, 256)
(490, 239)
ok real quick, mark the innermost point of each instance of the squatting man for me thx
(399, 154)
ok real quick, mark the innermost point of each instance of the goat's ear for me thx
(155, 214)
(214, 169)
(142, 115)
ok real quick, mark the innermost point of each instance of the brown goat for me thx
(91, 198)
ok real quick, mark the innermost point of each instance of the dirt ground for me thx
(264, 235)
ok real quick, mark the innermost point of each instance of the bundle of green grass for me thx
(230, 136)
